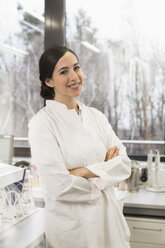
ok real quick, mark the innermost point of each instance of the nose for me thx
(73, 75)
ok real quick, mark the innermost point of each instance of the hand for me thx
(112, 153)
(82, 172)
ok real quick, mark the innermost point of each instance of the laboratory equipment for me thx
(6, 148)
(133, 180)
(10, 174)
(27, 199)
(16, 202)
(155, 173)
(149, 166)
(144, 175)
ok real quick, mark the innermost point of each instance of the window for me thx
(21, 44)
(120, 44)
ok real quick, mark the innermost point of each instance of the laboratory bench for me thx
(145, 203)
(27, 233)
(144, 212)
(140, 203)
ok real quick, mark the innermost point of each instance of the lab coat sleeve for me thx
(114, 170)
(56, 182)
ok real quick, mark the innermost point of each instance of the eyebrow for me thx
(66, 67)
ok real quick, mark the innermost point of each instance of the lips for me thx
(74, 85)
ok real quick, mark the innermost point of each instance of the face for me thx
(67, 78)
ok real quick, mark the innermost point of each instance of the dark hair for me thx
(47, 63)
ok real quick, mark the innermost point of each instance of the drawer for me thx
(150, 231)
(144, 245)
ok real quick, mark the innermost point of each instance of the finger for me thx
(117, 151)
(112, 152)
(110, 155)
(116, 154)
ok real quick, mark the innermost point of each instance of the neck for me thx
(70, 103)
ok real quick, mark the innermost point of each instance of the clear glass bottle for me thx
(27, 199)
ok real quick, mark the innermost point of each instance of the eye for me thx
(76, 68)
(63, 72)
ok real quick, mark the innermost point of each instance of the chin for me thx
(77, 94)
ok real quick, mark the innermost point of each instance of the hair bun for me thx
(47, 92)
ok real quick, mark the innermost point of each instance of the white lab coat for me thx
(79, 212)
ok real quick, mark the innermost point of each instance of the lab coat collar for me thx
(61, 106)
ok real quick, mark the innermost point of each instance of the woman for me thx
(79, 159)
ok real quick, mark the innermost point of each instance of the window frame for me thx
(54, 23)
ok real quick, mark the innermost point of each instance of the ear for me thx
(49, 82)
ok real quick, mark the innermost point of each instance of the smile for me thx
(74, 85)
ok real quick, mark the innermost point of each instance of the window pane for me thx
(21, 43)
(122, 53)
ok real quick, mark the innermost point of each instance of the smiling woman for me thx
(79, 159)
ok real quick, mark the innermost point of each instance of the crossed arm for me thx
(84, 172)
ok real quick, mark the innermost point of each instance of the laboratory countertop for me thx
(142, 199)
(28, 233)
(142, 202)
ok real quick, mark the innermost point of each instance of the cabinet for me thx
(143, 245)
(146, 232)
